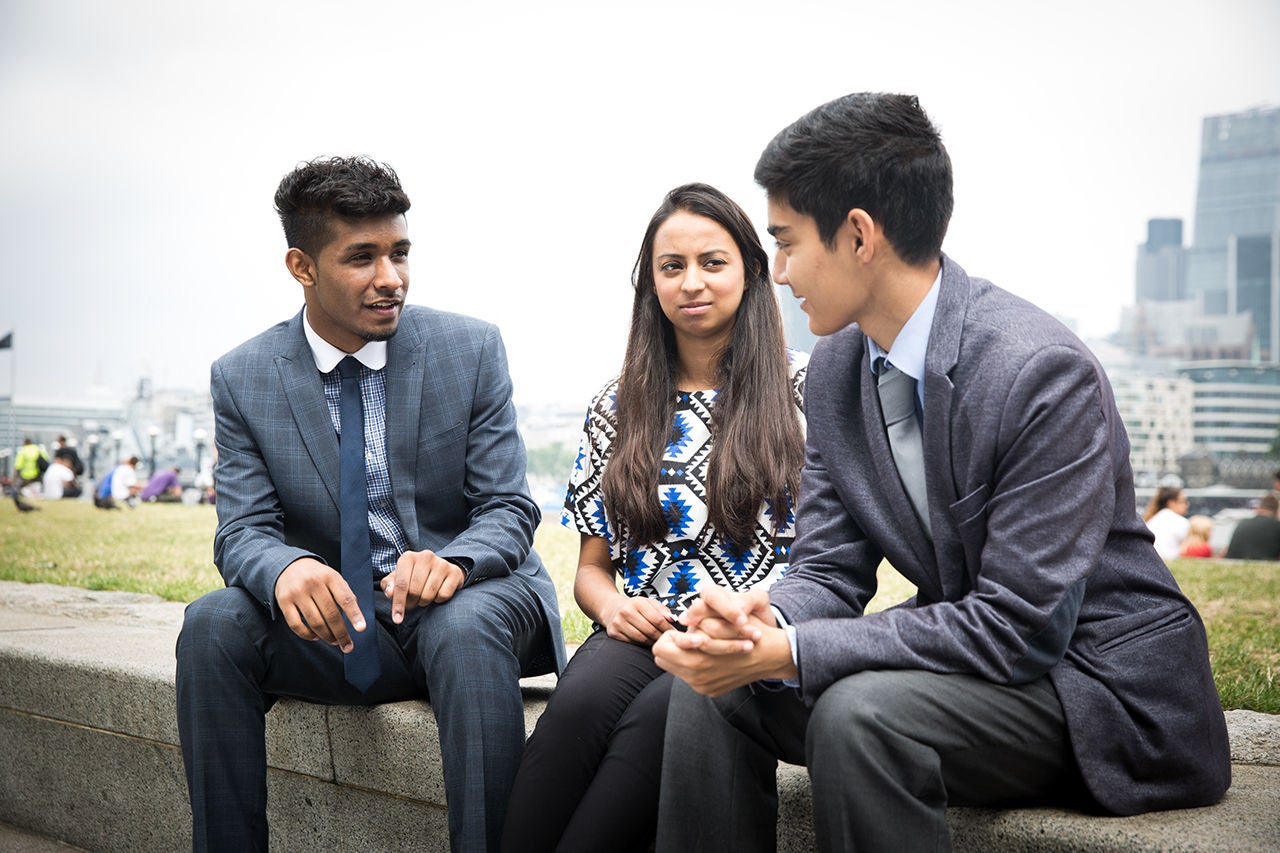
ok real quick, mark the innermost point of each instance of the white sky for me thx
(143, 141)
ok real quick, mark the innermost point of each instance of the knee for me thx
(216, 623)
(854, 711)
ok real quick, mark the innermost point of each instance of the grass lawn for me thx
(167, 550)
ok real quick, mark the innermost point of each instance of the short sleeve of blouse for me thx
(584, 500)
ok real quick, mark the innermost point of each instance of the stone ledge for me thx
(88, 754)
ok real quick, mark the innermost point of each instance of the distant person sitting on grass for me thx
(29, 464)
(163, 487)
(1197, 542)
(59, 479)
(1257, 538)
(119, 486)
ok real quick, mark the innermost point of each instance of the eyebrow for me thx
(775, 230)
(361, 247)
(707, 253)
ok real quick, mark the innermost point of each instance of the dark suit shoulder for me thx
(995, 316)
(280, 337)
(437, 321)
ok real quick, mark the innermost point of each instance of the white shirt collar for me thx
(372, 355)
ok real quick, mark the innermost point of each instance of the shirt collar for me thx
(372, 355)
(911, 344)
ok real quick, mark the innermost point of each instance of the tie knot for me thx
(349, 367)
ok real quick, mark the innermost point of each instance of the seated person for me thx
(1258, 537)
(59, 479)
(659, 504)
(124, 482)
(1199, 529)
(163, 487)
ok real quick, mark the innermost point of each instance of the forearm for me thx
(595, 590)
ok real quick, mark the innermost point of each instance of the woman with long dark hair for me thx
(689, 464)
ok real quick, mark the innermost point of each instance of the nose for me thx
(386, 275)
(780, 268)
(692, 281)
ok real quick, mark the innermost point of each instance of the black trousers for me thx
(590, 774)
(887, 752)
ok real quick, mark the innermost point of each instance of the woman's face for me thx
(1179, 504)
(698, 275)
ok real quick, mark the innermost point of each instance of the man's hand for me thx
(635, 619)
(313, 597)
(421, 577)
(733, 639)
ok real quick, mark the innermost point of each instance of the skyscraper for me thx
(1161, 268)
(1234, 259)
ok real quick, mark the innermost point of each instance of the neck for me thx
(698, 363)
(899, 291)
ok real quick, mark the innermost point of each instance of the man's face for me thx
(832, 291)
(355, 287)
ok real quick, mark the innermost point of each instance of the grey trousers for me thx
(465, 656)
(887, 752)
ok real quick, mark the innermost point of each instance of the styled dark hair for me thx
(758, 445)
(871, 151)
(349, 187)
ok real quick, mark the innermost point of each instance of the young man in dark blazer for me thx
(459, 605)
(1034, 661)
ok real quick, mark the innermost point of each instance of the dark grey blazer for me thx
(456, 459)
(1039, 561)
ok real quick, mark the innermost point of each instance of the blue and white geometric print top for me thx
(692, 554)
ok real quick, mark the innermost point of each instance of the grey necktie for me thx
(898, 400)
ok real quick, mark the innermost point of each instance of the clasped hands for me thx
(731, 639)
(313, 597)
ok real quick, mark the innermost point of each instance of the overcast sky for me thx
(143, 142)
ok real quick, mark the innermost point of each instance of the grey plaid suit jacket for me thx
(456, 459)
(1039, 562)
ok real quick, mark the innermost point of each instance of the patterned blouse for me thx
(692, 554)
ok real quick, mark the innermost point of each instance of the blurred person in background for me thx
(1166, 515)
(1200, 528)
(1257, 538)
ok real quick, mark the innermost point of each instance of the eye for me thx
(671, 266)
(715, 262)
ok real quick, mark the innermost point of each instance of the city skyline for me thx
(536, 142)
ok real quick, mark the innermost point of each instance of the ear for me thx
(301, 267)
(862, 234)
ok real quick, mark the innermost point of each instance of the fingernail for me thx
(358, 624)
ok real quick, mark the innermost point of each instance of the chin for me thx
(380, 334)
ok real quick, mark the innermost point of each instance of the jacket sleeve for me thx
(1033, 531)
(502, 517)
(249, 546)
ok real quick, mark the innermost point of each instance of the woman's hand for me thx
(638, 620)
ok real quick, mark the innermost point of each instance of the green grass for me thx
(167, 550)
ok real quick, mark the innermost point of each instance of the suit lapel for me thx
(304, 392)
(405, 378)
(940, 360)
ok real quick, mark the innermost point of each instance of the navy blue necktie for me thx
(361, 663)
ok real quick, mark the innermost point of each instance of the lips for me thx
(696, 307)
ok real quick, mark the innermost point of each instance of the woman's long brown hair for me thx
(758, 446)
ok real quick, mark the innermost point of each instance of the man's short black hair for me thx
(872, 151)
(348, 187)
